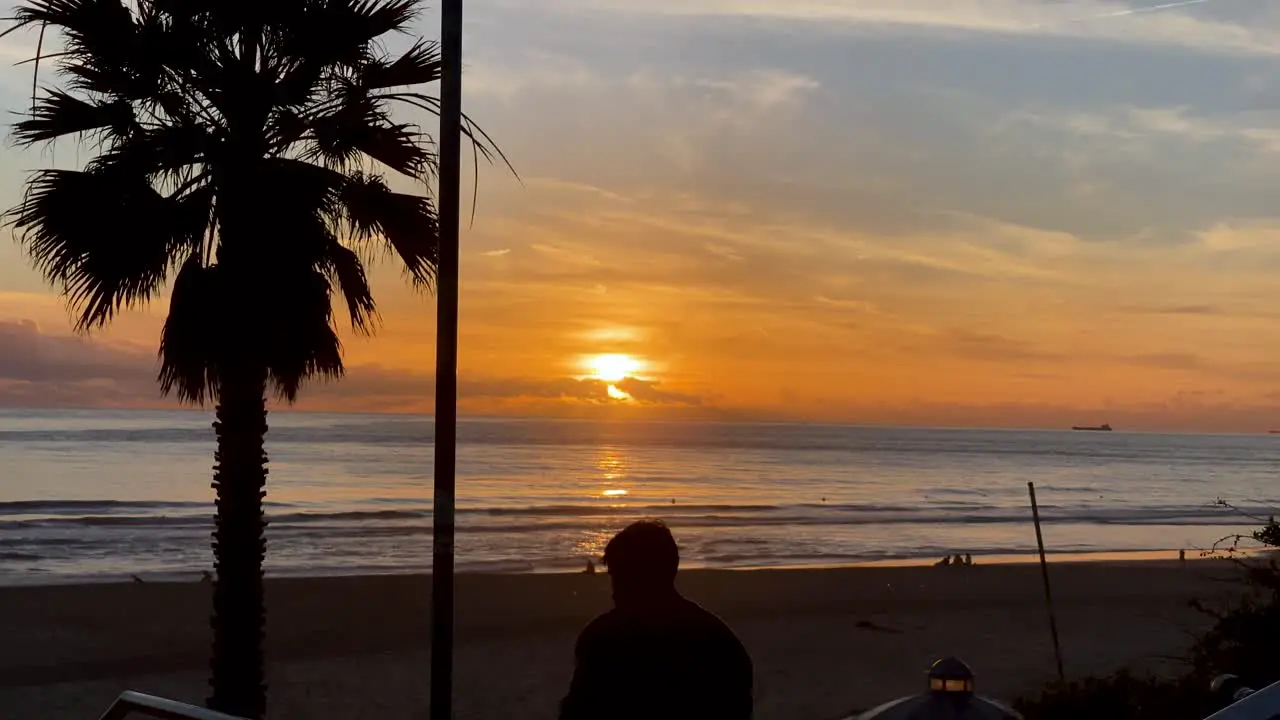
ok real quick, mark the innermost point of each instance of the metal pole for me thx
(1044, 573)
(446, 415)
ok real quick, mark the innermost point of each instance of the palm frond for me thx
(407, 223)
(420, 65)
(306, 210)
(192, 336)
(70, 224)
(361, 127)
(482, 145)
(35, 72)
(76, 19)
(59, 114)
(304, 198)
(481, 142)
(347, 275)
(351, 25)
(299, 340)
(97, 36)
(284, 128)
(334, 36)
(382, 17)
(171, 150)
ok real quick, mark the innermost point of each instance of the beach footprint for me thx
(868, 625)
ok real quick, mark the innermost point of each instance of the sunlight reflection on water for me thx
(104, 493)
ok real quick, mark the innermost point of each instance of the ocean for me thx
(100, 495)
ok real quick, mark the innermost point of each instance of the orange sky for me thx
(832, 211)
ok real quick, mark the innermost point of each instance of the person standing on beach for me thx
(656, 655)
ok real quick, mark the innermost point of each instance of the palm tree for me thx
(239, 148)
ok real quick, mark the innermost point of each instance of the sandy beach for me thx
(824, 641)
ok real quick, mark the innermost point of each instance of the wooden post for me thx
(1044, 573)
(446, 411)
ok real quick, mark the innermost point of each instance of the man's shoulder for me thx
(688, 618)
(603, 622)
(702, 616)
(725, 639)
(700, 612)
(602, 626)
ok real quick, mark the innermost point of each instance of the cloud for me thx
(1208, 410)
(1257, 130)
(762, 267)
(397, 390)
(1258, 237)
(536, 71)
(994, 348)
(1168, 361)
(761, 90)
(1234, 26)
(1114, 128)
(42, 369)
(1193, 310)
(1211, 26)
(39, 369)
(588, 390)
(646, 391)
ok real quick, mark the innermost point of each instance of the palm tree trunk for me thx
(239, 545)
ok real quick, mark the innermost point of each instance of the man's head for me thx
(642, 561)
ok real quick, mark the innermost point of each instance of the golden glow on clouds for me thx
(989, 324)
(777, 241)
(612, 334)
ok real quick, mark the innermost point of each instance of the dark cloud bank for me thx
(40, 369)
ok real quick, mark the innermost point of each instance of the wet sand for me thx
(825, 641)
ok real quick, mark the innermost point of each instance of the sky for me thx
(936, 212)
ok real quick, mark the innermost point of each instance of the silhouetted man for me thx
(656, 655)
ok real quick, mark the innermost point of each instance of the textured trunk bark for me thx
(239, 545)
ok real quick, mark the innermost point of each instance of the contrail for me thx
(1133, 11)
(1152, 8)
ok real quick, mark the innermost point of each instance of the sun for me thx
(612, 368)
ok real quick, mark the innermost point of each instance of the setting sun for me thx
(612, 367)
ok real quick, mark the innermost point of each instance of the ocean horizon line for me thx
(761, 420)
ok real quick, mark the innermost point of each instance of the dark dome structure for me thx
(950, 696)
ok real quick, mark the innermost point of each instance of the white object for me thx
(135, 703)
(1261, 705)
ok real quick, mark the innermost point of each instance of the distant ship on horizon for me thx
(1104, 427)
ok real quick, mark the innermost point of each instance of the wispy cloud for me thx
(1257, 129)
(758, 89)
(1182, 24)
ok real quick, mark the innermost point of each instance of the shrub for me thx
(1121, 696)
(1242, 641)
